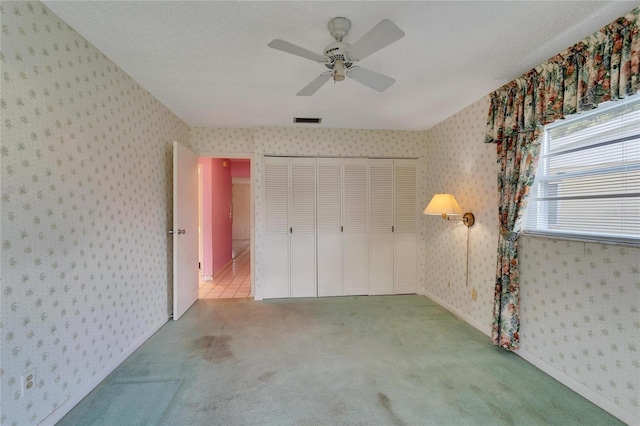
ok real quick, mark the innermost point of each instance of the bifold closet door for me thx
(276, 217)
(338, 227)
(405, 228)
(380, 226)
(355, 238)
(303, 228)
(330, 268)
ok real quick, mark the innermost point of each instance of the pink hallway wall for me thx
(216, 223)
(240, 168)
(220, 208)
(207, 233)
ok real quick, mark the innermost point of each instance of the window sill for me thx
(595, 239)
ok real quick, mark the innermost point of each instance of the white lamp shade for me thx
(443, 204)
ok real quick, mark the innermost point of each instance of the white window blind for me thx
(588, 179)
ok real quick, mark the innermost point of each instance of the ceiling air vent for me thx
(307, 120)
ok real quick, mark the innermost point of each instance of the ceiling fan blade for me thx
(285, 46)
(376, 81)
(317, 83)
(380, 36)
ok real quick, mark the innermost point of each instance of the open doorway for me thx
(225, 228)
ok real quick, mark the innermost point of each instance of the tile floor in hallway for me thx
(233, 282)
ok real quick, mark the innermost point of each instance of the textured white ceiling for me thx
(208, 61)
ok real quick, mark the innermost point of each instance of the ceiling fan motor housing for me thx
(336, 51)
(339, 28)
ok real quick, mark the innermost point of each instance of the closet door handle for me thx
(342, 229)
(392, 228)
(291, 229)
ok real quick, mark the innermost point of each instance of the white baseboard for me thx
(62, 409)
(563, 378)
(582, 390)
(464, 317)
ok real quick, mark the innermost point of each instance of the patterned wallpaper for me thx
(86, 193)
(307, 141)
(581, 313)
(580, 301)
(221, 141)
(458, 162)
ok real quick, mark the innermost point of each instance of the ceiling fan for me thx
(341, 58)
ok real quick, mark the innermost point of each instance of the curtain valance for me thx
(604, 66)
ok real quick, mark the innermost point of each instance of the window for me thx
(588, 181)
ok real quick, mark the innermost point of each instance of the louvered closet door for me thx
(276, 217)
(303, 227)
(329, 227)
(405, 233)
(355, 238)
(380, 226)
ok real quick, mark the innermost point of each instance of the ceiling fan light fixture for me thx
(338, 70)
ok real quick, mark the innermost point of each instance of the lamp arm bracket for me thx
(468, 219)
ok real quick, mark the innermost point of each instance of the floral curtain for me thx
(604, 66)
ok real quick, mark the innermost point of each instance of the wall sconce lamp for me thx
(445, 205)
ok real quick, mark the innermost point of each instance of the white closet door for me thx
(330, 227)
(356, 227)
(405, 233)
(276, 218)
(380, 226)
(303, 227)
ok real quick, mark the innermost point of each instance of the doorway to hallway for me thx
(225, 228)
